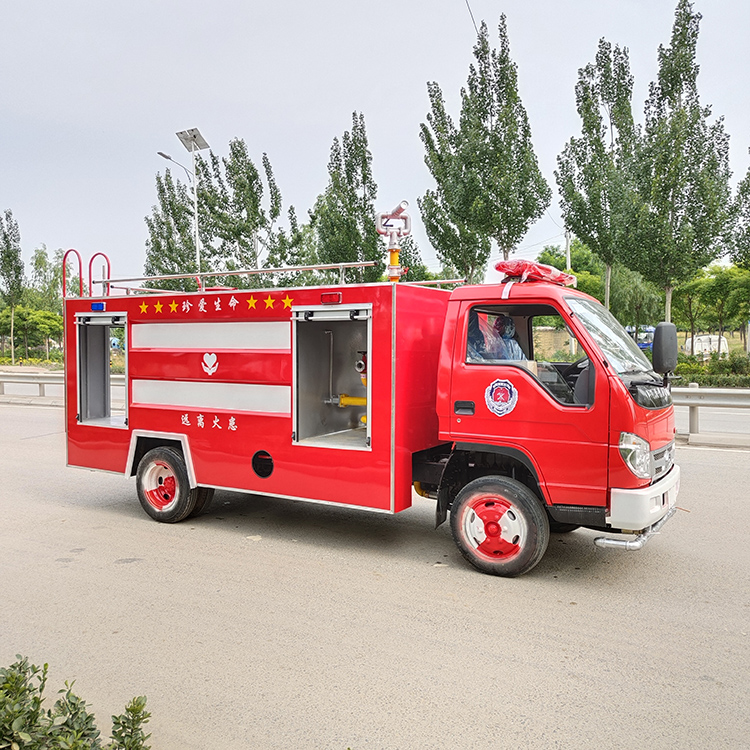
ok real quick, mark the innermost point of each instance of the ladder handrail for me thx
(105, 286)
(80, 273)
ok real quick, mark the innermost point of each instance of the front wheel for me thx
(499, 526)
(164, 486)
(557, 527)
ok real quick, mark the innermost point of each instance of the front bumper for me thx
(636, 510)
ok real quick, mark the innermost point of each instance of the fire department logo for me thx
(210, 363)
(501, 397)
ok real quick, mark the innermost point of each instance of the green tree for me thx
(739, 304)
(592, 171)
(741, 239)
(689, 306)
(170, 247)
(488, 183)
(411, 258)
(715, 294)
(49, 326)
(25, 325)
(581, 258)
(344, 215)
(45, 289)
(586, 267)
(231, 192)
(295, 246)
(681, 215)
(11, 270)
(634, 300)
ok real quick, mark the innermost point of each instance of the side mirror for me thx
(664, 352)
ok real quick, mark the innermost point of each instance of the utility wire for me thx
(472, 17)
(553, 220)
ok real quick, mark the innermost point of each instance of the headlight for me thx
(636, 453)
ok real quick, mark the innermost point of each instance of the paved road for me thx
(275, 624)
(735, 421)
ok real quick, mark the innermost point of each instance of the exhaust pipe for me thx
(640, 541)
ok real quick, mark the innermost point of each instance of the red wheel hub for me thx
(161, 488)
(493, 527)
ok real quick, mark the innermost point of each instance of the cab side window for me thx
(492, 337)
(536, 338)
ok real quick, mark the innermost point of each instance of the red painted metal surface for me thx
(222, 441)
(416, 371)
(566, 444)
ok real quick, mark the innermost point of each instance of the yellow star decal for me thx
(172, 306)
(269, 301)
(144, 307)
(251, 303)
(287, 301)
(158, 306)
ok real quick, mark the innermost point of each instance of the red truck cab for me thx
(546, 402)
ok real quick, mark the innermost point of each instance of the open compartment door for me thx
(331, 387)
(94, 351)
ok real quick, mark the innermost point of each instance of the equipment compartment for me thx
(331, 388)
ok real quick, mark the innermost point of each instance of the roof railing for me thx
(200, 277)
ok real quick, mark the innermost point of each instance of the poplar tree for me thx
(489, 185)
(234, 226)
(741, 239)
(593, 169)
(11, 270)
(343, 217)
(445, 215)
(45, 290)
(170, 247)
(231, 193)
(681, 217)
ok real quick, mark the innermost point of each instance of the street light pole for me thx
(195, 203)
(193, 141)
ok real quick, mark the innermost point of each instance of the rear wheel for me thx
(164, 487)
(499, 526)
(204, 497)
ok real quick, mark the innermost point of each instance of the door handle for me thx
(464, 408)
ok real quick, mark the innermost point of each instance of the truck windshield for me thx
(621, 351)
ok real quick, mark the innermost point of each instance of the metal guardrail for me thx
(692, 396)
(716, 398)
(43, 379)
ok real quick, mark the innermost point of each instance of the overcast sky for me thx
(91, 90)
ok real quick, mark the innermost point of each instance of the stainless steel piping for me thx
(639, 541)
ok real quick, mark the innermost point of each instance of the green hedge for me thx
(713, 381)
(731, 371)
(52, 364)
(26, 725)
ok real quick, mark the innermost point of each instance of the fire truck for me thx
(523, 408)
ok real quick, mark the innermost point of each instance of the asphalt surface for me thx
(277, 624)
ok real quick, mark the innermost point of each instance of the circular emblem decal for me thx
(501, 397)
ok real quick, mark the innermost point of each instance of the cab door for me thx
(551, 401)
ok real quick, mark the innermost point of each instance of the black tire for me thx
(562, 528)
(204, 497)
(500, 526)
(164, 487)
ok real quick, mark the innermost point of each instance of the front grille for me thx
(662, 460)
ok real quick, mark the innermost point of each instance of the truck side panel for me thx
(218, 369)
(419, 318)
